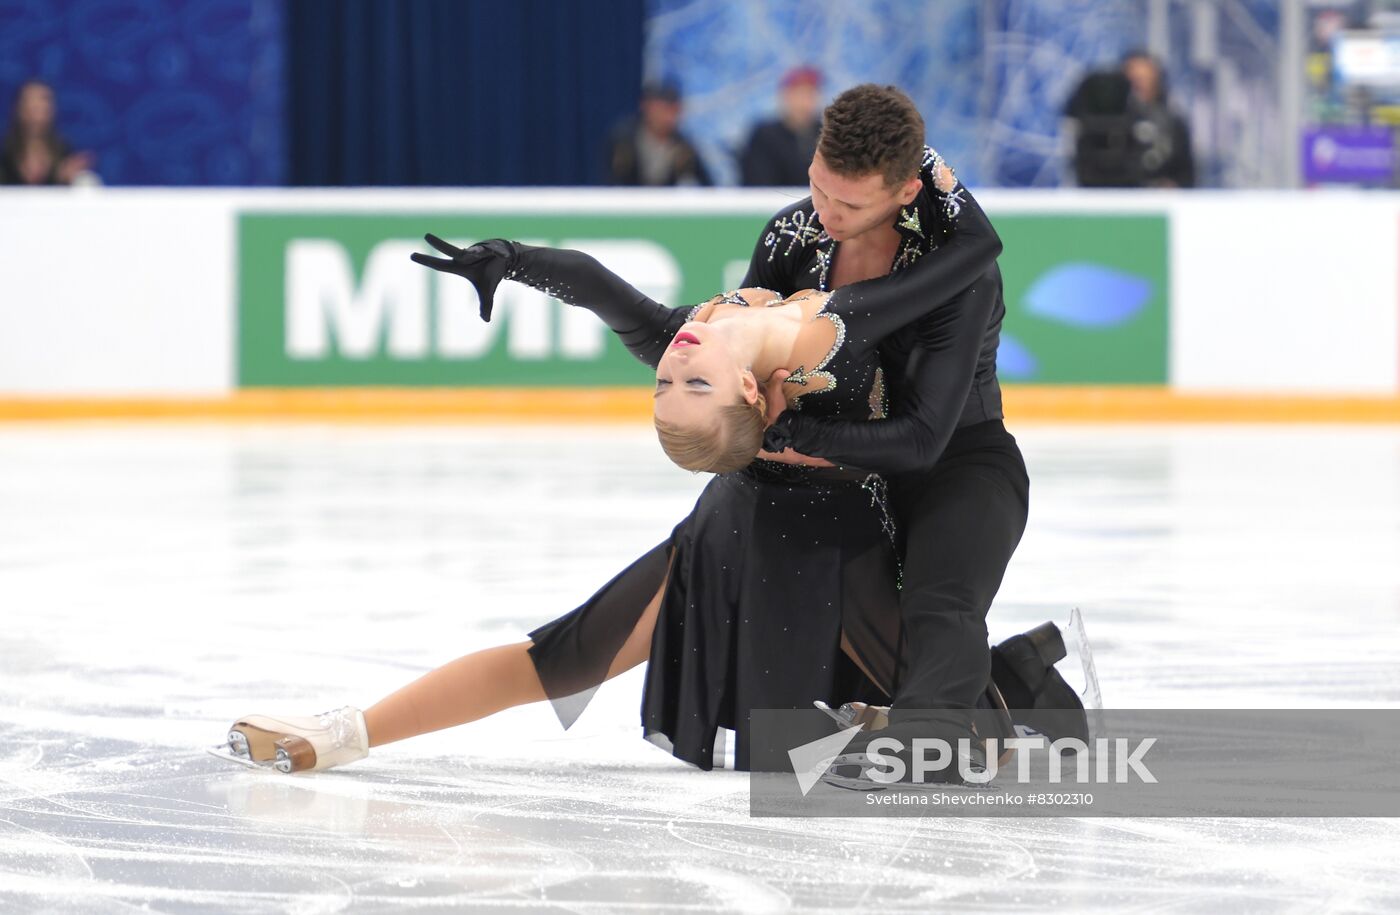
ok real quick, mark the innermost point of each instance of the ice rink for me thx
(157, 581)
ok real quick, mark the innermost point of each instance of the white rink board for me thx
(124, 292)
(158, 581)
(1286, 294)
(109, 293)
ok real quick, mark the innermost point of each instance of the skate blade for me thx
(221, 751)
(841, 716)
(848, 717)
(1093, 698)
(852, 784)
(856, 783)
(864, 782)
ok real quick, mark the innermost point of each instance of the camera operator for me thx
(1126, 135)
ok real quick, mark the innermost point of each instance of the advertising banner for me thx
(1349, 155)
(332, 299)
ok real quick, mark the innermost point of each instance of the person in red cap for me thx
(778, 151)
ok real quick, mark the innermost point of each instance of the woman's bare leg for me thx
(471, 687)
(483, 683)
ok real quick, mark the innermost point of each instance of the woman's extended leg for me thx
(483, 683)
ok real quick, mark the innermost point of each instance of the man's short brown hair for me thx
(872, 129)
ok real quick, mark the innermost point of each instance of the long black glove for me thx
(644, 326)
(483, 265)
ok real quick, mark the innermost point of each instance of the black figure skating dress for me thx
(777, 567)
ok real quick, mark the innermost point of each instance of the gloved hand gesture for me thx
(484, 265)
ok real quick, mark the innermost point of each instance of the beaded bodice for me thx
(843, 382)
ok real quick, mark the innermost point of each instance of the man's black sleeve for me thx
(937, 378)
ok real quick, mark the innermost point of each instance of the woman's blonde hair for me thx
(728, 446)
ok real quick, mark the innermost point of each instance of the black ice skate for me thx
(1023, 667)
(991, 720)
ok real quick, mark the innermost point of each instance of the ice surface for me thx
(157, 581)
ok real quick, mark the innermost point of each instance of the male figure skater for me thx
(958, 485)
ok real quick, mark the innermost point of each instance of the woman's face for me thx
(698, 375)
(35, 106)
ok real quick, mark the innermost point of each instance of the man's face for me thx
(851, 206)
(1144, 77)
(661, 116)
(800, 103)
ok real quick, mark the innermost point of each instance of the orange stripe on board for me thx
(631, 404)
(357, 405)
(1159, 404)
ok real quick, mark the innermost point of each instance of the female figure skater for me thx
(779, 589)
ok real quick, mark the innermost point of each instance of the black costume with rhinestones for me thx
(777, 565)
(958, 484)
(942, 369)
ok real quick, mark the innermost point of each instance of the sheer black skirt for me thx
(770, 570)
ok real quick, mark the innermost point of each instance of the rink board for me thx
(332, 299)
(1210, 295)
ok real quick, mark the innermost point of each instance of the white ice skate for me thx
(300, 744)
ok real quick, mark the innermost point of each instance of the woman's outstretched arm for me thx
(644, 326)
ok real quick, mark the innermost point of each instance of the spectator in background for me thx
(778, 152)
(650, 150)
(1167, 160)
(1126, 135)
(33, 152)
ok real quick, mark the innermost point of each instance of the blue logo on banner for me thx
(1087, 295)
(1014, 360)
